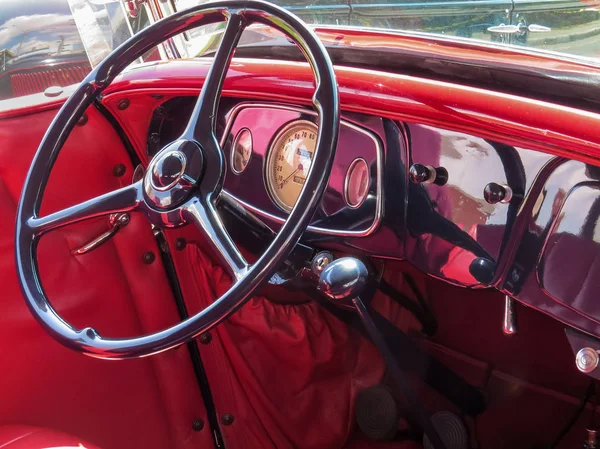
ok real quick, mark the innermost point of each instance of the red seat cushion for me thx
(27, 437)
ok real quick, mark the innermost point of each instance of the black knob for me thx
(483, 270)
(420, 174)
(495, 193)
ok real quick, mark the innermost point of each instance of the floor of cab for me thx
(290, 373)
(532, 387)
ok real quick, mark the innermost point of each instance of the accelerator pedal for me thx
(377, 413)
(452, 431)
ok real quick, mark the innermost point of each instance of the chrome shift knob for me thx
(344, 278)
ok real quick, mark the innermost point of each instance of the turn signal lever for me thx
(342, 281)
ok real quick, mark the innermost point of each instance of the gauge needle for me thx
(284, 182)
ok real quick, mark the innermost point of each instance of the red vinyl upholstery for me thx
(280, 370)
(26, 437)
(288, 373)
(136, 404)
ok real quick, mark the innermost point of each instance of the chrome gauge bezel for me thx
(321, 230)
(355, 162)
(233, 146)
(271, 151)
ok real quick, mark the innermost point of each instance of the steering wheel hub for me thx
(173, 173)
(168, 170)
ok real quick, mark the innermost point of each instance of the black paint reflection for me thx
(516, 179)
(569, 270)
(452, 230)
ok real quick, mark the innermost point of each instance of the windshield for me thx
(564, 26)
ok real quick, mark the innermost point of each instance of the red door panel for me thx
(147, 403)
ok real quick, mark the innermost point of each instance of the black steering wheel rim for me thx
(199, 205)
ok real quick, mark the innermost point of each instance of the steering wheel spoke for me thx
(202, 122)
(207, 219)
(125, 199)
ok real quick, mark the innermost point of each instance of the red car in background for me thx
(42, 46)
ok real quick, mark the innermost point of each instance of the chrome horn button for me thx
(168, 170)
(173, 173)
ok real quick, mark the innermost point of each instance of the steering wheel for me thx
(182, 182)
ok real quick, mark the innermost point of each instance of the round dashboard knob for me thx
(483, 270)
(586, 360)
(495, 193)
(426, 174)
(420, 173)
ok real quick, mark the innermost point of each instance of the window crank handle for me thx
(115, 222)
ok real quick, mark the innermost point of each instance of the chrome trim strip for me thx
(316, 229)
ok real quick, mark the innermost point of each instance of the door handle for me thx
(534, 28)
(115, 223)
(520, 28)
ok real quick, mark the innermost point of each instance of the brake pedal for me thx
(451, 429)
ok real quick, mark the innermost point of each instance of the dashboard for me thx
(471, 211)
(269, 148)
(279, 156)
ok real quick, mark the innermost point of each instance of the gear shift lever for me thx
(342, 281)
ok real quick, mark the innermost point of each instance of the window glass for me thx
(56, 43)
(563, 26)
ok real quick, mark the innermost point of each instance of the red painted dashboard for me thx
(542, 150)
(545, 152)
(538, 125)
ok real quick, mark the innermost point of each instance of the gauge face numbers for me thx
(241, 151)
(356, 185)
(289, 160)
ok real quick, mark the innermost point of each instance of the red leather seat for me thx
(27, 437)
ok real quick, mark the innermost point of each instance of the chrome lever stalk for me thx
(509, 324)
(115, 222)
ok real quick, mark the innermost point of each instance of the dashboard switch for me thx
(495, 193)
(426, 174)
(586, 360)
(483, 270)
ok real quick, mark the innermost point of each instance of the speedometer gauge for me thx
(289, 160)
